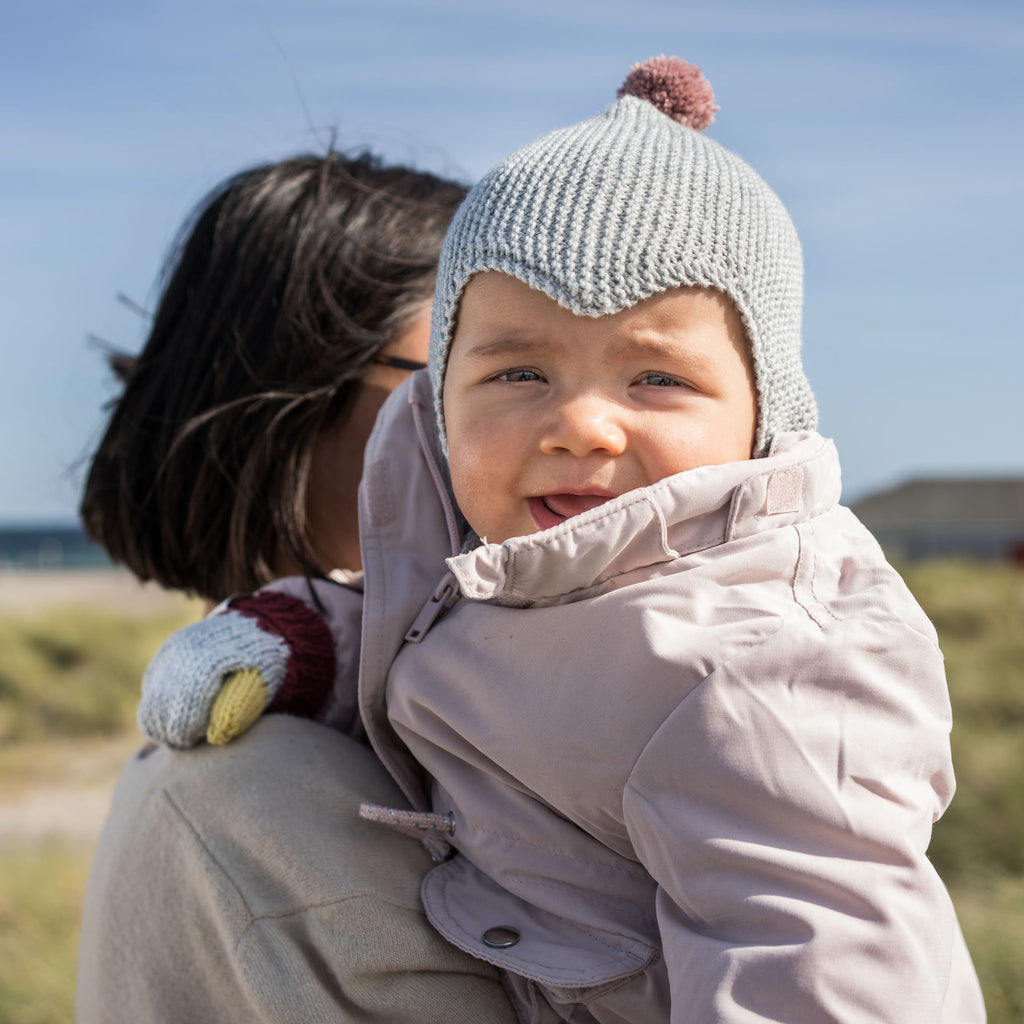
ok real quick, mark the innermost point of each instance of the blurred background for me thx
(892, 132)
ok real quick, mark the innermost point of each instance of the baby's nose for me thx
(583, 425)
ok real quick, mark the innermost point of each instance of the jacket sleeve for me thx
(784, 809)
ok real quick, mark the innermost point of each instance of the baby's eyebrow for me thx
(665, 350)
(505, 345)
(642, 346)
(658, 348)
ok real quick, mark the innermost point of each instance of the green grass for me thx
(76, 675)
(75, 672)
(69, 680)
(40, 898)
(978, 846)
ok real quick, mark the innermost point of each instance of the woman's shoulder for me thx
(240, 884)
(274, 815)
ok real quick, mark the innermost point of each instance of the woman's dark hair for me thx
(285, 283)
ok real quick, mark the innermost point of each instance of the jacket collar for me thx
(678, 516)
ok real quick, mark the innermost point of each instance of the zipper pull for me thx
(446, 594)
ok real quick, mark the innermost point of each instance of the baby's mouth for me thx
(550, 509)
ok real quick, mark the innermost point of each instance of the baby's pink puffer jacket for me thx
(687, 747)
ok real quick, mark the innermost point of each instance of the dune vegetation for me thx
(978, 845)
(70, 672)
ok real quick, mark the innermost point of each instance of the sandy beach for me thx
(104, 588)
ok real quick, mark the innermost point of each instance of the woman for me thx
(241, 885)
(295, 299)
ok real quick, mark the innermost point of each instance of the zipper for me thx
(443, 597)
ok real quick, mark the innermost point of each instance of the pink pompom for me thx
(675, 87)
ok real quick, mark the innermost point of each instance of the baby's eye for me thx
(661, 380)
(518, 376)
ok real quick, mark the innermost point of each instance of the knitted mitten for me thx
(216, 677)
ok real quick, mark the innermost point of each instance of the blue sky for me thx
(892, 131)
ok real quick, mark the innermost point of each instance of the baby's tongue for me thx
(573, 504)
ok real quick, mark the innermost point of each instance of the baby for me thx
(674, 729)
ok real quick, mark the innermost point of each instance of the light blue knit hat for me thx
(631, 203)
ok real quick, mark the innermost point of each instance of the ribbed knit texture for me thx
(310, 676)
(623, 206)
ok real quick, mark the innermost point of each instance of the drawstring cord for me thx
(430, 829)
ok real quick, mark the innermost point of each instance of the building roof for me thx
(947, 501)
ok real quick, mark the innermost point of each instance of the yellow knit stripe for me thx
(241, 701)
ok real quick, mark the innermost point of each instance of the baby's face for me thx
(550, 414)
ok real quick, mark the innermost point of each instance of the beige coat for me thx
(241, 886)
(691, 743)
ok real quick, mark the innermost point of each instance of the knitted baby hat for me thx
(631, 203)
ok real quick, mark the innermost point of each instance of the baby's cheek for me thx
(468, 489)
(696, 444)
(492, 510)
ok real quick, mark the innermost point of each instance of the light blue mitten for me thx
(186, 675)
(264, 651)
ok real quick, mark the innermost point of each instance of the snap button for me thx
(500, 938)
